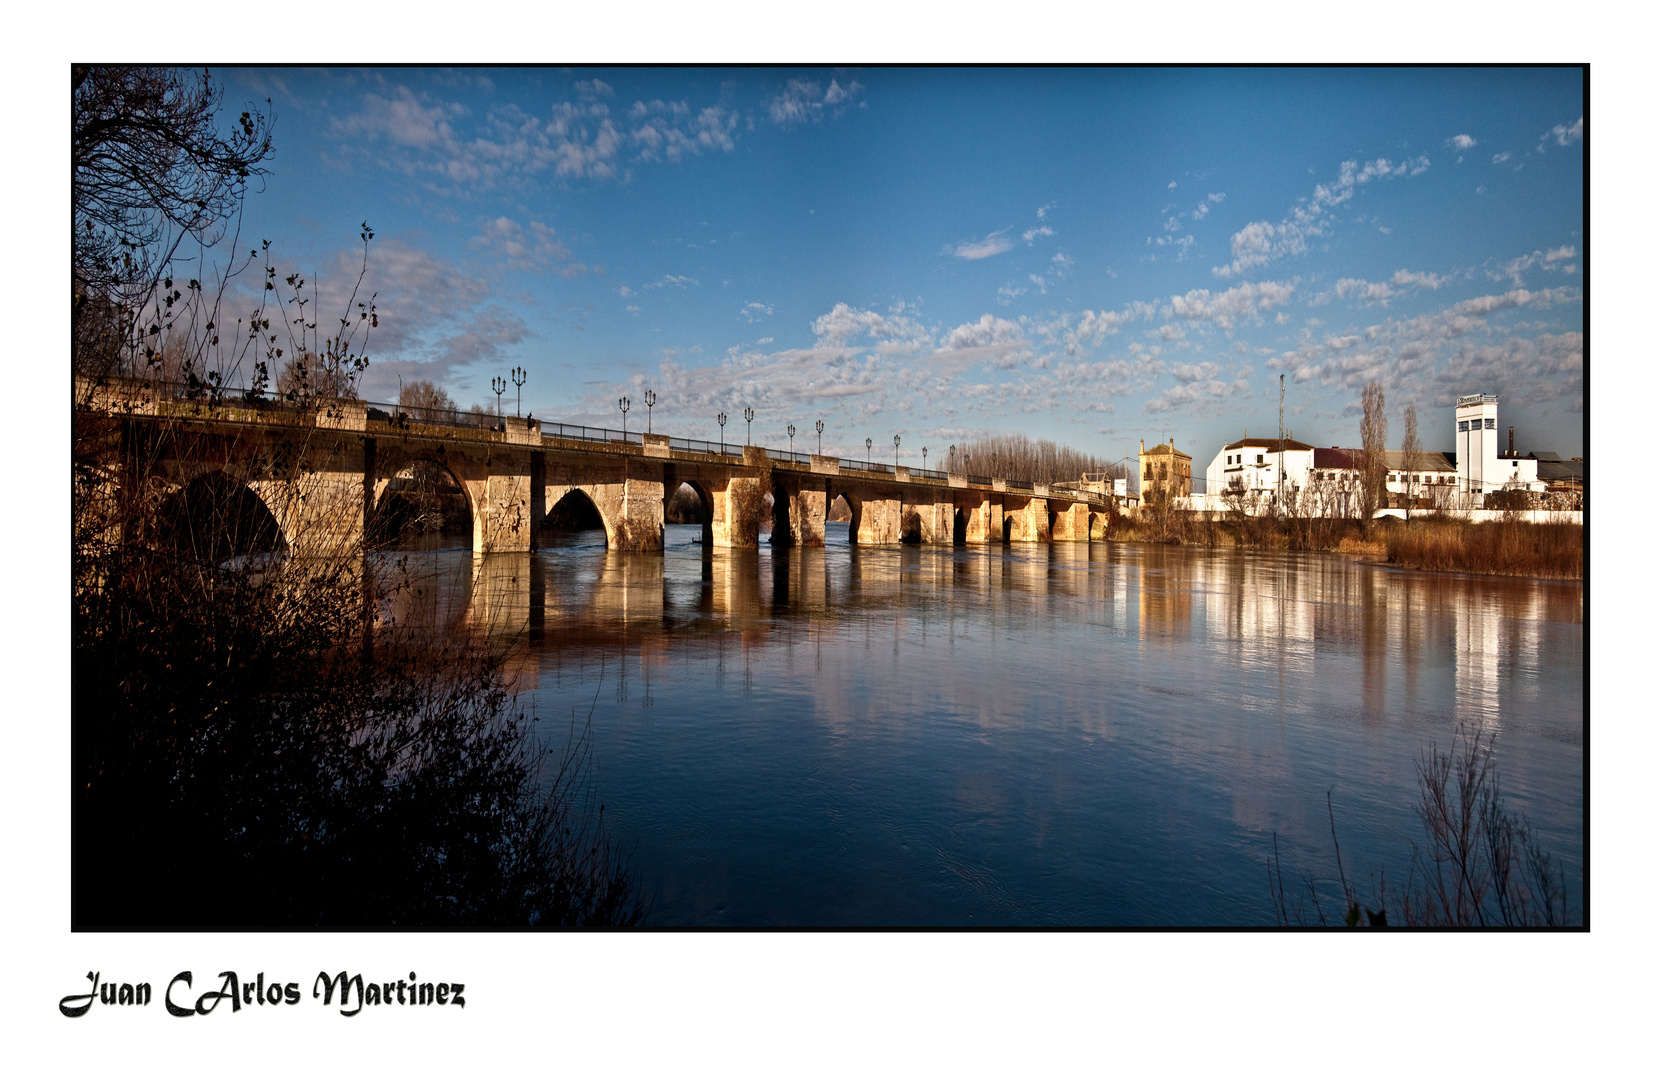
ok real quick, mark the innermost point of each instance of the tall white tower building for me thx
(1476, 444)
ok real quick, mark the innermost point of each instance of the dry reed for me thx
(1515, 548)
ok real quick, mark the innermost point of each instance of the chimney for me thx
(1509, 451)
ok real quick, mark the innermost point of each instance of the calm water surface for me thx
(1071, 734)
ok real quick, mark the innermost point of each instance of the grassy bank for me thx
(1512, 548)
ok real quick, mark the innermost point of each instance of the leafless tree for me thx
(1373, 450)
(1017, 457)
(151, 169)
(1410, 455)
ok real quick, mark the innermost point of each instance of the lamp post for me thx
(868, 462)
(651, 399)
(951, 463)
(721, 422)
(790, 431)
(499, 384)
(749, 415)
(925, 469)
(819, 428)
(519, 381)
(623, 407)
(897, 451)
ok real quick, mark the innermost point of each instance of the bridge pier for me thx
(1072, 522)
(1027, 520)
(878, 519)
(798, 511)
(985, 519)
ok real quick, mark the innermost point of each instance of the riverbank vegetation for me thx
(1439, 543)
(1481, 866)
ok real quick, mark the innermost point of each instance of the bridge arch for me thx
(576, 511)
(852, 501)
(960, 527)
(420, 495)
(215, 516)
(706, 507)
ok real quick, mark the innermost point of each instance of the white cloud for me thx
(1093, 326)
(1188, 373)
(837, 327)
(1462, 142)
(1449, 352)
(1045, 209)
(1380, 293)
(625, 291)
(534, 247)
(1182, 243)
(1261, 241)
(1504, 155)
(1563, 135)
(1240, 303)
(679, 281)
(576, 140)
(1171, 185)
(1513, 270)
(802, 101)
(1420, 279)
(996, 243)
(1007, 293)
(755, 310)
(1037, 231)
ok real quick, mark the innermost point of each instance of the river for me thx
(1068, 734)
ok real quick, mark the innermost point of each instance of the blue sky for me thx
(1092, 256)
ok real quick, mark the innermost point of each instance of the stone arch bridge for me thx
(322, 470)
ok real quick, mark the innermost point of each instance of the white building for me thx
(1263, 466)
(1480, 466)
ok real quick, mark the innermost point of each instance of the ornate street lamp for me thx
(499, 384)
(925, 469)
(749, 415)
(790, 430)
(951, 459)
(819, 427)
(721, 422)
(868, 462)
(897, 451)
(623, 406)
(651, 399)
(519, 381)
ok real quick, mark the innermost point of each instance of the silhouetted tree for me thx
(150, 166)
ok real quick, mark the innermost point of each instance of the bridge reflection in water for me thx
(1069, 733)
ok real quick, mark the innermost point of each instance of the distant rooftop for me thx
(1272, 442)
(1478, 399)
